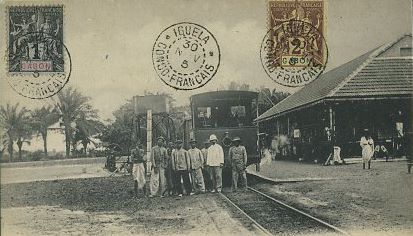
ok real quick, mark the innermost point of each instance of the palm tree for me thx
(15, 125)
(85, 129)
(42, 119)
(3, 144)
(72, 107)
(268, 98)
(23, 134)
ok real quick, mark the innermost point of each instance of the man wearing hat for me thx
(169, 172)
(215, 162)
(158, 159)
(197, 162)
(138, 169)
(238, 158)
(205, 169)
(181, 163)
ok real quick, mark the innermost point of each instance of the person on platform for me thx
(181, 163)
(197, 163)
(169, 172)
(215, 162)
(238, 157)
(205, 169)
(138, 169)
(367, 149)
(382, 152)
(158, 157)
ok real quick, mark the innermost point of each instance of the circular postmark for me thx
(39, 65)
(294, 53)
(186, 56)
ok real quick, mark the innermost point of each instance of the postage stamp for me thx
(186, 56)
(294, 51)
(39, 63)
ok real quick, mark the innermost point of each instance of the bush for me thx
(4, 157)
(36, 155)
(57, 156)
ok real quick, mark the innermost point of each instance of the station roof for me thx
(381, 72)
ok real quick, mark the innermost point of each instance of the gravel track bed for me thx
(106, 206)
(276, 218)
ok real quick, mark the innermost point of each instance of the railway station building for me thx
(373, 91)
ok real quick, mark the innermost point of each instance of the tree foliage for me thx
(76, 113)
(267, 97)
(120, 130)
(237, 86)
(41, 119)
(15, 126)
(128, 128)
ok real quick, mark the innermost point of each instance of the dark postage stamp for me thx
(39, 63)
(294, 52)
(186, 56)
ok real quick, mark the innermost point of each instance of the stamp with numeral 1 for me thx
(39, 63)
(186, 56)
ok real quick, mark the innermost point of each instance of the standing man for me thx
(197, 162)
(238, 158)
(181, 164)
(138, 169)
(215, 163)
(205, 169)
(169, 172)
(158, 156)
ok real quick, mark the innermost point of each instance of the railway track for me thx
(274, 217)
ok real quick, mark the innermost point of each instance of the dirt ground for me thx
(37, 173)
(105, 206)
(378, 200)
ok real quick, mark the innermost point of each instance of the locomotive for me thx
(226, 114)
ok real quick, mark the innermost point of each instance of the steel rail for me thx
(300, 212)
(260, 227)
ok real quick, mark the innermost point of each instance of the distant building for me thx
(373, 91)
(55, 140)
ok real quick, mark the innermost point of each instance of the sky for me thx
(111, 42)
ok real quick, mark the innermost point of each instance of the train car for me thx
(226, 114)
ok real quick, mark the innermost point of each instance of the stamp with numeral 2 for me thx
(294, 51)
(38, 62)
(186, 56)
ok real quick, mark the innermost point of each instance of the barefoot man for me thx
(158, 158)
(197, 163)
(138, 169)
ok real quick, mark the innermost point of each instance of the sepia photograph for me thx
(206, 117)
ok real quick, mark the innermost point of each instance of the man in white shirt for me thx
(215, 162)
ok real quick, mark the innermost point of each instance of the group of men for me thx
(197, 170)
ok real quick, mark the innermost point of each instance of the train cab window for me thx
(223, 109)
(204, 116)
(237, 116)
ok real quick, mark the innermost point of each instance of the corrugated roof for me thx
(382, 76)
(365, 75)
